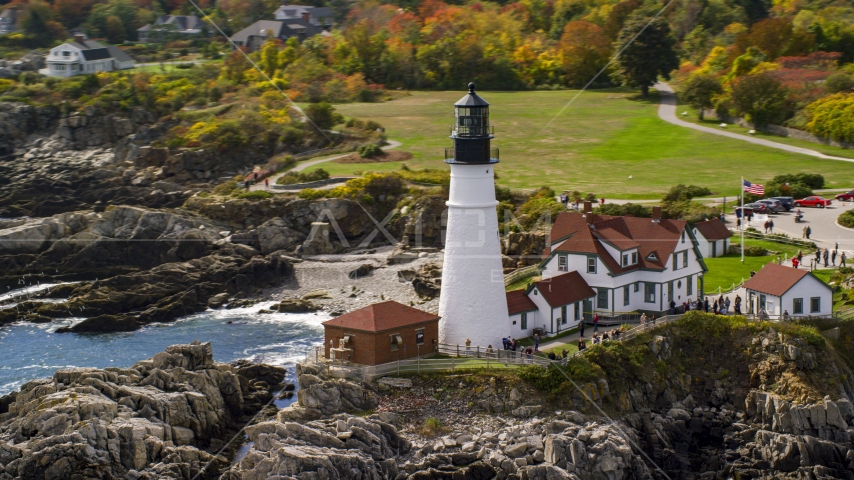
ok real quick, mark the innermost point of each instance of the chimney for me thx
(306, 17)
(79, 38)
(588, 212)
(656, 214)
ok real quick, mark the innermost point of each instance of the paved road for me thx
(310, 163)
(822, 221)
(667, 112)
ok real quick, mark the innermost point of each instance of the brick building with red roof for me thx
(381, 333)
(632, 264)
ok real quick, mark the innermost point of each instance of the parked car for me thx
(753, 208)
(774, 205)
(812, 202)
(846, 197)
(787, 202)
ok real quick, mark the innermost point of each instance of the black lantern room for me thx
(471, 132)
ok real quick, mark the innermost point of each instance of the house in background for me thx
(633, 264)
(8, 20)
(777, 289)
(317, 16)
(381, 333)
(254, 36)
(550, 305)
(712, 238)
(82, 57)
(171, 27)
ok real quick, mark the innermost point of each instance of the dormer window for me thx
(630, 258)
(652, 257)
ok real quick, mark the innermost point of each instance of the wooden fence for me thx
(521, 273)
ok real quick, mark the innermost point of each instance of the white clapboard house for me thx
(82, 57)
(712, 238)
(779, 290)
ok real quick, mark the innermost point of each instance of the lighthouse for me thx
(472, 303)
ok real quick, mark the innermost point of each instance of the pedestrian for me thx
(643, 321)
(795, 262)
(536, 342)
(738, 223)
(706, 305)
(766, 227)
(752, 273)
(779, 260)
(581, 327)
(595, 322)
(564, 353)
(804, 232)
(603, 200)
(825, 257)
(716, 309)
(737, 307)
(672, 307)
(468, 346)
(785, 314)
(800, 257)
(833, 257)
(552, 356)
(771, 226)
(726, 305)
(267, 183)
(255, 177)
(505, 343)
(246, 184)
(842, 260)
(817, 257)
(808, 232)
(581, 344)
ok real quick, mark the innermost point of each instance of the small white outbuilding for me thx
(785, 291)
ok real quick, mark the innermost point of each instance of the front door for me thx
(714, 249)
(669, 292)
(588, 311)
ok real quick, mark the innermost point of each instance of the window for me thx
(419, 336)
(689, 286)
(637, 287)
(685, 259)
(815, 304)
(669, 291)
(675, 261)
(561, 263)
(652, 257)
(602, 298)
(634, 259)
(66, 54)
(649, 292)
(591, 265)
(625, 295)
(797, 306)
(683, 236)
(577, 311)
(762, 301)
(625, 259)
(396, 342)
(525, 321)
(563, 315)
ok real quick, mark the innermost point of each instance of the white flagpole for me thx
(743, 219)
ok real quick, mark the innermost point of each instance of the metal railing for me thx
(773, 237)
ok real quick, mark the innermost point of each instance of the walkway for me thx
(667, 112)
(310, 163)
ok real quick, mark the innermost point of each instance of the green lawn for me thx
(522, 283)
(728, 270)
(601, 140)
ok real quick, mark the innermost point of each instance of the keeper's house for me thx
(633, 264)
(777, 289)
(712, 238)
(381, 333)
(82, 57)
(552, 305)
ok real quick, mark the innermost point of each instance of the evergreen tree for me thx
(700, 91)
(649, 56)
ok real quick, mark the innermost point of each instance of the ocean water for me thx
(30, 351)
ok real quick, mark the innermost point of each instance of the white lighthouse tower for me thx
(472, 304)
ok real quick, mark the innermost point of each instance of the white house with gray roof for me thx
(170, 27)
(82, 57)
(317, 16)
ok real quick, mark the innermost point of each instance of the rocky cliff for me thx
(165, 417)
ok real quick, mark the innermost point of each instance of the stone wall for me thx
(780, 130)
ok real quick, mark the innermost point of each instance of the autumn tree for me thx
(270, 57)
(761, 99)
(700, 91)
(323, 115)
(584, 50)
(647, 52)
(114, 29)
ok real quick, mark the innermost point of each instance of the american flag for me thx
(753, 188)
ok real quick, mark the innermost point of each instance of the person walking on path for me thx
(715, 308)
(536, 342)
(727, 303)
(595, 322)
(825, 257)
(842, 260)
(808, 232)
(266, 183)
(738, 223)
(833, 258)
(468, 346)
(804, 232)
(581, 327)
(795, 262)
(643, 321)
(505, 343)
(706, 305)
(770, 226)
(800, 257)
(738, 305)
(817, 257)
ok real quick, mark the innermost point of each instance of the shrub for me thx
(839, 82)
(370, 151)
(225, 188)
(681, 192)
(847, 219)
(431, 427)
(291, 178)
(832, 117)
(755, 251)
(633, 209)
(811, 180)
(256, 194)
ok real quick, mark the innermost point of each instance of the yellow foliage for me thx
(715, 61)
(764, 67)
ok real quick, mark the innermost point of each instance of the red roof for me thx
(624, 233)
(713, 229)
(776, 279)
(518, 302)
(564, 289)
(380, 317)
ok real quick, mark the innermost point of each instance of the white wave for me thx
(28, 290)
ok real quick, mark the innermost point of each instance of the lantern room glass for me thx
(471, 121)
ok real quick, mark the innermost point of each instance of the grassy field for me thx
(728, 270)
(598, 142)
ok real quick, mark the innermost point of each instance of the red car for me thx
(846, 197)
(812, 202)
